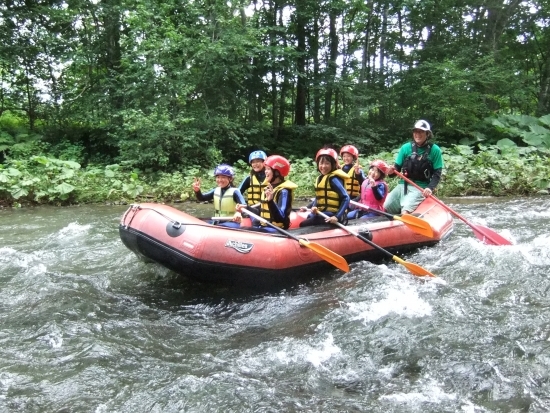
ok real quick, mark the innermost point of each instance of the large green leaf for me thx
(18, 192)
(66, 173)
(506, 143)
(64, 188)
(71, 164)
(539, 129)
(532, 139)
(545, 119)
(41, 160)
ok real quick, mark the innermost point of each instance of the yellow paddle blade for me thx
(416, 224)
(330, 256)
(414, 268)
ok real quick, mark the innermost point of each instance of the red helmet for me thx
(278, 163)
(380, 164)
(328, 152)
(352, 150)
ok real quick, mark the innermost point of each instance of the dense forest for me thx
(154, 86)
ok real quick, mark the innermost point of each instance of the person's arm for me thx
(238, 197)
(379, 191)
(208, 196)
(361, 176)
(277, 209)
(338, 186)
(399, 160)
(434, 181)
(436, 157)
(245, 184)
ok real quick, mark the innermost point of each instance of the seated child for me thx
(225, 196)
(253, 184)
(276, 200)
(373, 191)
(331, 196)
(350, 154)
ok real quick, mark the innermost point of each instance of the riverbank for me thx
(41, 180)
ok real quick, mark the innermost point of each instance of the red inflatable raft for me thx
(192, 247)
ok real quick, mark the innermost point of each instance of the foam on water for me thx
(317, 356)
(73, 229)
(402, 300)
(432, 393)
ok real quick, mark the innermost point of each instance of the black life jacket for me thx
(418, 167)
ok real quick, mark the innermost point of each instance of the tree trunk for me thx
(273, 10)
(331, 67)
(111, 23)
(543, 101)
(316, 83)
(301, 82)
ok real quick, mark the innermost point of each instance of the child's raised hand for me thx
(197, 184)
(268, 192)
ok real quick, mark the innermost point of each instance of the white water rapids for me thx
(86, 327)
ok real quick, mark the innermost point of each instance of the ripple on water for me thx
(85, 326)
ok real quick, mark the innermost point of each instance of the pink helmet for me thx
(380, 164)
(278, 163)
(352, 150)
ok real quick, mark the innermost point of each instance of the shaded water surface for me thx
(86, 327)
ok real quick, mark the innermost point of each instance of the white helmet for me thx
(422, 125)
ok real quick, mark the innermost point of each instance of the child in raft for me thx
(331, 196)
(225, 197)
(350, 156)
(374, 191)
(253, 185)
(276, 200)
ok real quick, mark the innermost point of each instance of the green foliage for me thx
(303, 172)
(497, 170)
(526, 130)
(38, 178)
(20, 143)
(159, 91)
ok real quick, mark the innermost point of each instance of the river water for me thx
(86, 327)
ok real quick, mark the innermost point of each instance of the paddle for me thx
(414, 268)
(416, 224)
(330, 256)
(486, 235)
